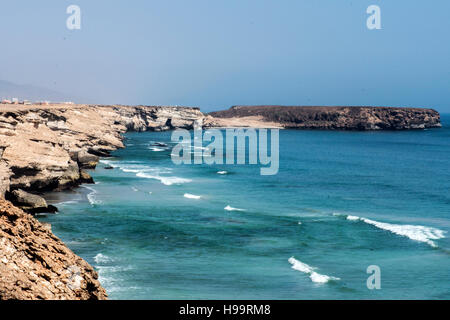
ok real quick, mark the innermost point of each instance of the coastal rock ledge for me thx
(35, 264)
(44, 148)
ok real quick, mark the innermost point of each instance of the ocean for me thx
(341, 202)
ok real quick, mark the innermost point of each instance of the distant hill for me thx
(10, 90)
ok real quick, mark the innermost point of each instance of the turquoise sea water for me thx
(149, 241)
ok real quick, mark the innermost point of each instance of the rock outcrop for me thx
(48, 148)
(30, 203)
(35, 264)
(328, 118)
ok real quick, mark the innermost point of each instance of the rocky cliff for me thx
(35, 264)
(49, 148)
(329, 118)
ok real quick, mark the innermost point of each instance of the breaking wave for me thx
(92, 196)
(230, 208)
(191, 196)
(147, 172)
(168, 181)
(413, 232)
(101, 258)
(314, 276)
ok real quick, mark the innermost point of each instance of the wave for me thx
(157, 149)
(92, 196)
(101, 258)
(110, 277)
(222, 172)
(130, 170)
(314, 276)
(63, 203)
(168, 181)
(191, 196)
(229, 208)
(413, 232)
(144, 171)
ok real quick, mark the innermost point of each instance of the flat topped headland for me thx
(331, 118)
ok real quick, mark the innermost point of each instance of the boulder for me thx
(31, 203)
(86, 177)
(87, 160)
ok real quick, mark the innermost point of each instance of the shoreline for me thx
(50, 149)
(45, 149)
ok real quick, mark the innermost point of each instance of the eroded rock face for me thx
(35, 264)
(46, 148)
(29, 200)
(49, 148)
(331, 118)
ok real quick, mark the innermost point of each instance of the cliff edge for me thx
(45, 148)
(35, 264)
(327, 118)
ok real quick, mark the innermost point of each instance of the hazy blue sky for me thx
(218, 53)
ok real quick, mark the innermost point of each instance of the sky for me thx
(217, 53)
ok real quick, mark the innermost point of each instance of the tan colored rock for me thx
(87, 160)
(47, 148)
(35, 264)
(5, 175)
(86, 177)
(41, 147)
(28, 200)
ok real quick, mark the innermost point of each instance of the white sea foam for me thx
(110, 277)
(156, 149)
(314, 276)
(66, 202)
(143, 171)
(104, 161)
(134, 189)
(222, 172)
(101, 258)
(230, 208)
(191, 196)
(130, 170)
(413, 232)
(168, 181)
(92, 196)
